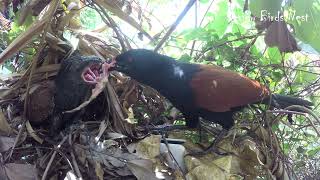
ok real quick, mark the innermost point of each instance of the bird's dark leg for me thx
(166, 127)
(191, 123)
(212, 147)
(224, 119)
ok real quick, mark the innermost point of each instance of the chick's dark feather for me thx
(206, 91)
(71, 90)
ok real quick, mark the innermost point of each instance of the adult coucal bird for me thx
(206, 91)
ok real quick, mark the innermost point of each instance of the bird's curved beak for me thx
(117, 65)
(113, 65)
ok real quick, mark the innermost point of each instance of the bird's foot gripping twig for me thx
(212, 147)
(166, 127)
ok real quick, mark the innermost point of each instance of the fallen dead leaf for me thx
(142, 169)
(149, 147)
(19, 172)
(99, 171)
(32, 133)
(6, 143)
(5, 128)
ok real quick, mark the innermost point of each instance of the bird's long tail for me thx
(282, 101)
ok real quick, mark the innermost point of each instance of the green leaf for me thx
(275, 127)
(265, 7)
(295, 139)
(195, 34)
(277, 75)
(313, 152)
(28, 20)
(286, 147)
(185, 58)
(89, 18)
(303, 15)
(273, 55)
(300, 164)
(203, 1)
(305, 77)
(219, 23)
(301, 149)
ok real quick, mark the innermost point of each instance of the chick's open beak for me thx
(95, 73)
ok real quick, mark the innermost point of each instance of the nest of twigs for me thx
(116, 145)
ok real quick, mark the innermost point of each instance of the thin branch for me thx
(175, 24)
(226, 42)
(44, 176)
(34, 63)
(209, 7)
(304, 109)
(74, 160)
(112, 25)
(195, 25)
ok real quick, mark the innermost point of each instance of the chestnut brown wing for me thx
(217, 89)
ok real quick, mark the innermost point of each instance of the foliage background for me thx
(217, 32)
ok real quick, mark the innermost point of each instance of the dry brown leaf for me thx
(74, 23)
(35, 29)
(100, 29)
(41, 102)
(124, 172)
(251, 153)
(200, 170)
(130, 119)
(115, 161)
(25, 12)
(42, 73)
(5, 128)
(80, 153)
(19, 171)
(55, 42)
(105, 52)
(149, 147)
(109, 143)
(178, 151)
(99, 171)
(4, 22)
(6, 143)
(47, 68)
(103, 126)
(249, 158)
(142, 169)
(32, 133)
(122, 15)
(23, 39)
(98, 41)
(38, 6)
(210, 167)
(115, 136)
(71, 17)
(11, 76)
(69, 176)
(263, 134)
(8, 93)
(114, 100)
